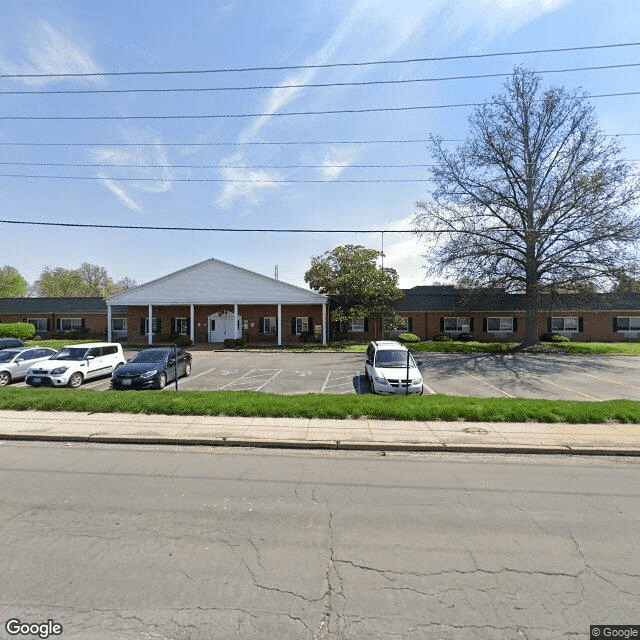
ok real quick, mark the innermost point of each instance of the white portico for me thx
(213, 300)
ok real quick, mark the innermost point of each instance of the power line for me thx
(220, 229)
(215, 144)
(213, 116)
(226, 180)
(217, 166)
(243, 144)
(314, 85)
(318, 66)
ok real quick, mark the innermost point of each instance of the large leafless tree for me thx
(537, 199)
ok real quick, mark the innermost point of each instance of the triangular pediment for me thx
(215, 282)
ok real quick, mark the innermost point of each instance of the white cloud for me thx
(244, 184)
(45, 50)
(336, 160)
(120, 193)
(148, 163)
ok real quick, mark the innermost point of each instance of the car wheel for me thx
(5, 378)
(187, 369)
(162, 381)
(75, 381)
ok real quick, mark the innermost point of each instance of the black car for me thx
(10, 343)
(151, 369)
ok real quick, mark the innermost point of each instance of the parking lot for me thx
(524, 375)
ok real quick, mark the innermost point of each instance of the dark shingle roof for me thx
(55, 305)
(451, 300)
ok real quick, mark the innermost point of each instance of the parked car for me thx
(10, 343)
(74, 364)
(151, 369)
(14, 363)
(391, 369)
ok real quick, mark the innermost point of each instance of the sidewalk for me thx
(361, 434)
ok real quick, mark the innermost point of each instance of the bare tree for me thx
(535, 200)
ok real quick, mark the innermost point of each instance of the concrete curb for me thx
(330, 445)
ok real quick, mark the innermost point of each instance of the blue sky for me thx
(92, 37)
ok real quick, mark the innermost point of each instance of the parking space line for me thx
(622, 384)
(349, 378)
(270, 379)
(428, 388)
(488, 385)
(580, 393)
(202, 373)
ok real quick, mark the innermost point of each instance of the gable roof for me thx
(215, 282)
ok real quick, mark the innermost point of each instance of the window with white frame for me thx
(39, 323)
(457, 324)
(181, 326)
(155, 325)
(356, 325)
(269, 325)
(302, 325)
(119, 324)
(628, 323)
(69, 325)
(564, 324)
(499, 324)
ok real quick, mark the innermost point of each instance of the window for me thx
(155, 324)
(180, 326)
(457, 324)
(69, 325)
(269, 324)
(119, 324)
(356, 325)
(302, 325)
(628, 323)
(500, 324)
(41, 324)
(564, 324)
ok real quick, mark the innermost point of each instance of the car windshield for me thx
(150, 355)
(392, 359)
(70, 353)
(7, 354)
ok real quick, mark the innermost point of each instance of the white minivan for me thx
(391, 369)
(74, 364)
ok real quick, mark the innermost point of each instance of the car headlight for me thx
(417, 381)
(149, 374)
(381, 380)
(58, 370)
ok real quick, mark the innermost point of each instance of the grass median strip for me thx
(251, 403)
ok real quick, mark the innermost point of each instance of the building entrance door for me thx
(221, 326)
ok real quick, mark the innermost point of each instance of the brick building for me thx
(491, 316)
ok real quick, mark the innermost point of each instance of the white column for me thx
(279, 324)
(192, 328)
(324, 325)
(108, 322)
(150, 338)
(235, 321)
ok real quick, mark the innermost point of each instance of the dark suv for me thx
(10, 343)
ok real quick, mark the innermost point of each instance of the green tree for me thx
(12, 284)
(357, 286)
(535, 200)
(88, 280)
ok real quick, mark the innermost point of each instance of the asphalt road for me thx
(561, 376)
(159, 542)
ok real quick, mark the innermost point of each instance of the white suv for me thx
(391, 369)
(74, 364)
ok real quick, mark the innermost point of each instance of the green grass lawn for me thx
(252, 403)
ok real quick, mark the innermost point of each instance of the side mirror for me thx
(419, 363)
(367, 361)
(89, 357)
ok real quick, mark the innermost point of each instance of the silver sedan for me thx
(14, 363)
